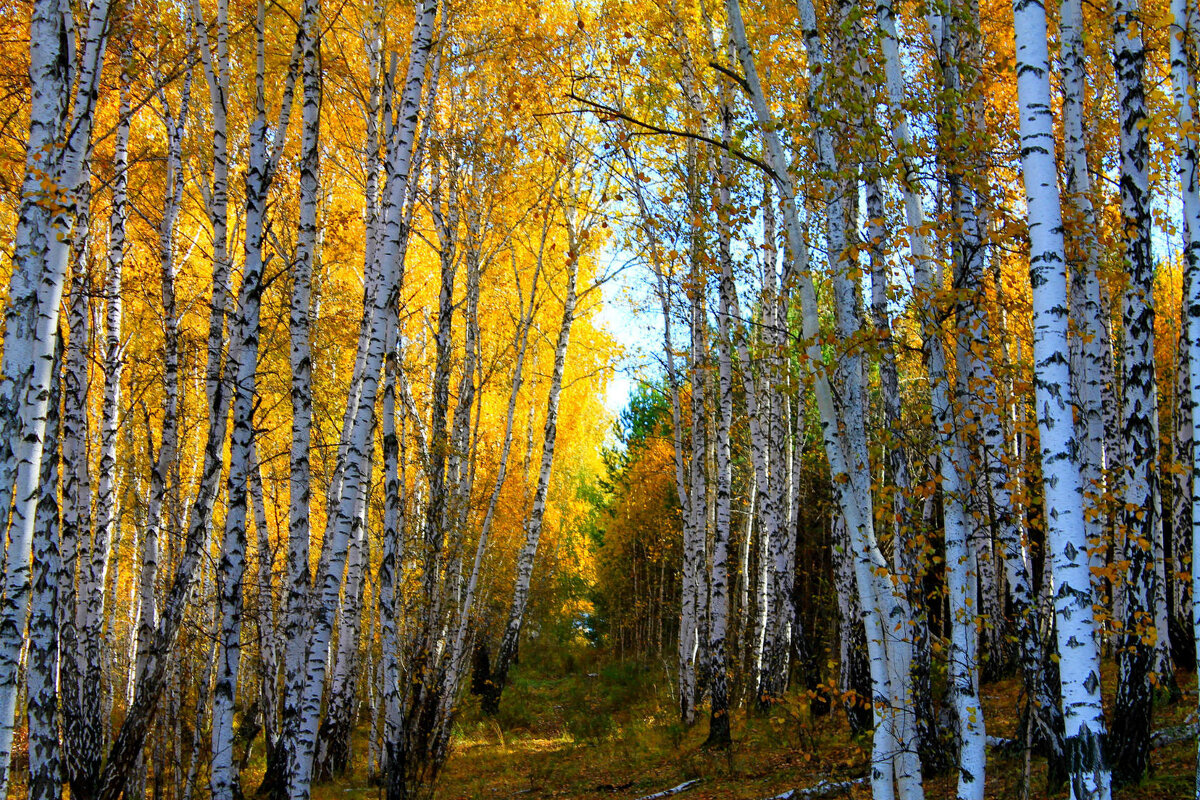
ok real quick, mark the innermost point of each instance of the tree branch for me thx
(733, 76)
(683, 787)
(613, 112)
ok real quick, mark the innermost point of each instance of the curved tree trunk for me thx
(533, 523)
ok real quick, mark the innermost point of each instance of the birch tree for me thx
(961, 561)
(843, 424)
(266, 148)
(50, 196)
(1140, 522)
(1188, 172)
(1079, 665)
(45, 754)
(533, 523)
(360, 415)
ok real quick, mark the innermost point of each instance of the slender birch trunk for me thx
(49, 88)
(392, 560)
(961, 562)
(854, 677)
(1079, 665)
(842, 423)
(267, 619)
(32, 316)
(45, 769)
(81, 705)
(533, 523)
(303, 264)
(360, 415)
(106, 541)
(719, 666)
(216, 73)
(1083, 254)
(224, 780)
(333, 737)
(1139, 486)
(906, 555)
(1188, 170)
(695, 536)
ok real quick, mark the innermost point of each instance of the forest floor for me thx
(577, 726)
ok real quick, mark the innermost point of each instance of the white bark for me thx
(719, 668)
(300, 357)
(1079, 665)
(1188, 171)
(216, 197)
(360, 415)
(961, 563)
(843, 427)
(1088, 374)
(242, 359)
(33, 311)
(45, 776)
(81, 705)
(267, 618)
(392, 560)
(695, 534)
(1139, 521)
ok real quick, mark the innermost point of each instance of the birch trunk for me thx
(1139, 486)
(1188, 170)
(266, 618)
(242, 359)
(216, 73)
(719, 666)
(333, 737)
(392, 560)
(300, 357)
(961, 562)
(49, 87)
(106, 543)
(1083, 255)
(45, 770)
(1079, 665)
(32, 316)
(906, 555)
(843, 427)
(854, 677)
(533, 523)
(360, 414)
(81, 705)
(691, 616)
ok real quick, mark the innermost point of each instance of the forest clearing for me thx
(742, 399)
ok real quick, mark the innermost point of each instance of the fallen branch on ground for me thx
(1005, 746)
(824, 788)
(1178, 733)
(683, 787)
